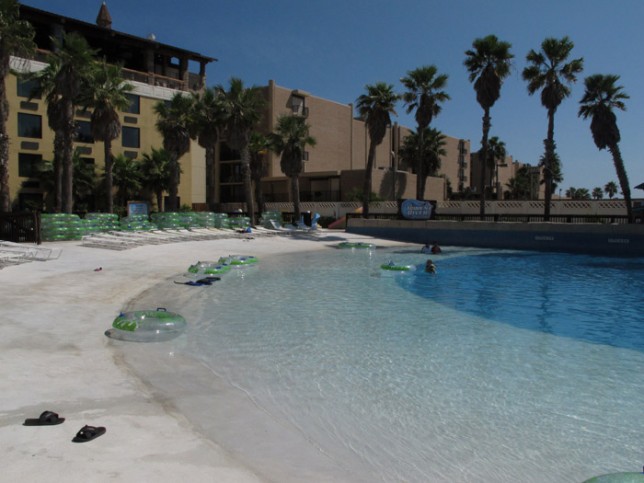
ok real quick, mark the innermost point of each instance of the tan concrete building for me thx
(157, 71)
(333, 169)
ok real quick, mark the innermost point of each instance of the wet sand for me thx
(54, 356)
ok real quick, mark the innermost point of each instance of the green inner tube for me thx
(237, 260)
(208, 268)
(395, 268)
(355, 245)
(149, 321)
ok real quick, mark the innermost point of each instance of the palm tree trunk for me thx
(366, 191)
(547, 169)
(483, 162)
(623, 178)
(210, 177)
(58, 171)
(174, 182)
(68, 164)
(420, 165)
(159, 195)
(5, 199)
(295, 193)
(109, 185)
(248, 185)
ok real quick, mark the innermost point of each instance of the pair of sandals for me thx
(50, 418)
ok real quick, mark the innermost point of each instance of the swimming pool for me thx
(504, 366)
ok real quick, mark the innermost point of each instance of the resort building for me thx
(333, 169)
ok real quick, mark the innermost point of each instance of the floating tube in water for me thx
(356, 245)
(392, 267)
(238, 260)
(147, 326)
(618, 478)
(208, 268)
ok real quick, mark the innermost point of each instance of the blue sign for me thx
(417, 210)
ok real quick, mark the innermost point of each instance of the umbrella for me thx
(640, 186)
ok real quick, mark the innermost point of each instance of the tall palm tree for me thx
(174, 122)
(258, 147)
(209, 118)
(375, 108)
(488, 63)
(496, 155)
(16, 38)
(549, 72)
(155, 174)
(424, 94)
(106, 95)
(433, 148)
(127, 177)
(244, 108)
(601, 96)
(62, 83)
(610, 189)
(290, 139)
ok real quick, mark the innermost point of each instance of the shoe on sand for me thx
(47, 418)
(88, 433)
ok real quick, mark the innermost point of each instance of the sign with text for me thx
(417, 209)
(137, 208)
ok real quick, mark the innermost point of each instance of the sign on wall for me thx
(137, 208)
(417, 209)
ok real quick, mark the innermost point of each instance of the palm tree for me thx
(496, 156)
(62, 83)
(434, 143)
(106, 95)
(258, 147)
(209, 117)
(127, 177)
(375, 109)
(155, 174)
(174, 122)
(548, 71)
(424, 95)
(290, 139)
(601, 96)
(488, 63)
(244, 107)
(598, 193)
(16, 38)
(610, 189)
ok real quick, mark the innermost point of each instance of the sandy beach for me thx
(54, 356)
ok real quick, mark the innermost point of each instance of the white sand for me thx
(54, 356)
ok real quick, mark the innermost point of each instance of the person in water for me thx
(426, 249)
(436, 248)
(430, 267)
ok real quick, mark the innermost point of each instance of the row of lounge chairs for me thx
(15, 253)
(123, 240)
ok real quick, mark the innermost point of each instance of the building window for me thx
(135, 104)
(84, 132)
(28, 165)
(131, 137)
(29, 125)
(26, 87)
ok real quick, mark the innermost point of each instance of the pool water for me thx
(504, 366)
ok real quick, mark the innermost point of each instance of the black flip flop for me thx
(47, 418)
(88, 433)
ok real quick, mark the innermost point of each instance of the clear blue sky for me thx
(333, 48)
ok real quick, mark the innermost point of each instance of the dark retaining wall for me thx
(610, 240)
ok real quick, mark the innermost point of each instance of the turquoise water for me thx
(504, 366)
